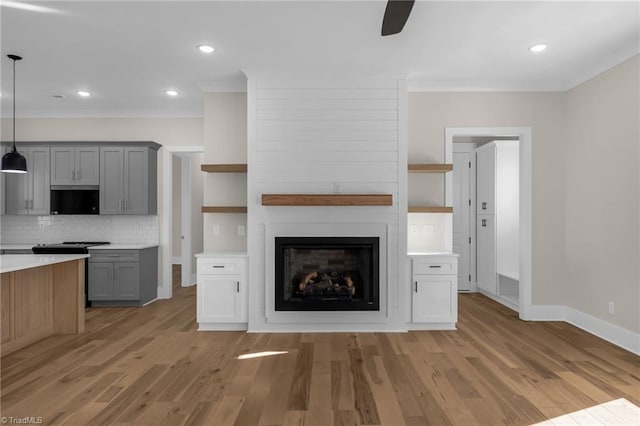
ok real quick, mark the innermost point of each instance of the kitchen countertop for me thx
(18, 262)
(16, 246)
(123, 246)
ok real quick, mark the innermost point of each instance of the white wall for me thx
(197, 199)
(225, 142)
(602, 196)
(429, 115)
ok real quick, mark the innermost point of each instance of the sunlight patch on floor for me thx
(261, 354)
(617, 412)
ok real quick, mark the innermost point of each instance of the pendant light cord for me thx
(14, 104)
(14, 58)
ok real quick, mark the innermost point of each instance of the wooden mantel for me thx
(327, 199)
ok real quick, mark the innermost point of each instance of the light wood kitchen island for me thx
(40, 295)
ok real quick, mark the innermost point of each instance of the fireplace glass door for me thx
(327, 273)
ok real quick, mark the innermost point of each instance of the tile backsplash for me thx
(56, 229)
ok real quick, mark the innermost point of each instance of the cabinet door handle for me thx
(484, 222)
(484, 206)
(120, 205)
(237, 286)
(218, 266)
(126, 205)
(416, 284)
(26, 204)
(77, 175)
(435, 266)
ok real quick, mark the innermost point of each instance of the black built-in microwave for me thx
(75, 200)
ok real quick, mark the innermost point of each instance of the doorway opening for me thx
(180, 163)
(460, 145)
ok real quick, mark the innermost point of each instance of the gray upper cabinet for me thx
(125, 172)
(128, 181)
(29, 193)
(111, 180)
(75, 165)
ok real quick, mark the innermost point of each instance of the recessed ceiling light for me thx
(537, 48)
(83, 93)
(205, 48)
(171, 92)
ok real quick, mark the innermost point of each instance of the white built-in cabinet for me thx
(486, 252)
(434, 291)
(75, 165)
(29, 193)
(497, 220)
(222, 291)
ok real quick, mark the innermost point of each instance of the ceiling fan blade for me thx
(395, 16)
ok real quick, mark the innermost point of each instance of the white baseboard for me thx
(435, 326)
(548, 313)
(612, 333)
(222, 326)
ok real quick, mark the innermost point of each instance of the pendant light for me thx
(14, 162)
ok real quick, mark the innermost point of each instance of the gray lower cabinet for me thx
(123, 277)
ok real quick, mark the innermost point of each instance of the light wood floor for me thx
(150, 366)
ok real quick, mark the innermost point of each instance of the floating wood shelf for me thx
(224, 168)
(433, 209)
(430, 168)
(224, 209)
(327, 199)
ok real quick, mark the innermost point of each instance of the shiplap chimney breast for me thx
(327, 136)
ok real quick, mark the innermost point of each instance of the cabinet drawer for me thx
(219, 266)
(114, 256)
(437, 266)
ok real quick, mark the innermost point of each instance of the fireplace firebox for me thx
(327, 274)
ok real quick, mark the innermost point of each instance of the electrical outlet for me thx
(241, 230)
(216, 230)
(612, 308)
(414, 230)
(428, 229)
(336, 188)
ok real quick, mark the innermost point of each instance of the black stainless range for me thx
(72, 247)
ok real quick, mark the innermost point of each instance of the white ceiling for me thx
(127, 53)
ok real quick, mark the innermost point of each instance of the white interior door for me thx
(463, 225)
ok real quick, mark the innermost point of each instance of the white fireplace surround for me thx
(310, 320)
(323, 135)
